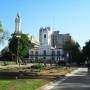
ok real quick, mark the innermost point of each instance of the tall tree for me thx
(19, 45)
(1, 32)
(86, 50)
(4, 35)
(68, 47)
(73, 49)
(1, 28)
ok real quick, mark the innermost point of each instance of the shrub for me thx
(37, 66)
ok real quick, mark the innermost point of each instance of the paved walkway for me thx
(16, 65)
(77, 80)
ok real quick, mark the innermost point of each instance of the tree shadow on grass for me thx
(26, 75)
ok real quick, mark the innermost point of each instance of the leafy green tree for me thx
(19, 45)
(1, 32)
(86, 50)
(76, 54)
(68, 47)
(1, 28)
(73, 49)
(6, 54)
(4, 35)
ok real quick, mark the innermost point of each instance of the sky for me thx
(67, 16)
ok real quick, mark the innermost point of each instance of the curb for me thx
(52, 84)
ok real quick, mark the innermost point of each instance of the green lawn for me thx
(22, 84)
(31, 84)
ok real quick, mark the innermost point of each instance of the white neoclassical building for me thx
(45, 50)
(50, 47)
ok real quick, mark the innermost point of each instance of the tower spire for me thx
(17, 23)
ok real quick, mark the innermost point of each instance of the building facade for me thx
(47, 51)
(58, 40)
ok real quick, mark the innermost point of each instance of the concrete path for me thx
(77, 80)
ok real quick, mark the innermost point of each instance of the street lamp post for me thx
(18, 37)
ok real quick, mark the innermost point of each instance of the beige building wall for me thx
(58, 40)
